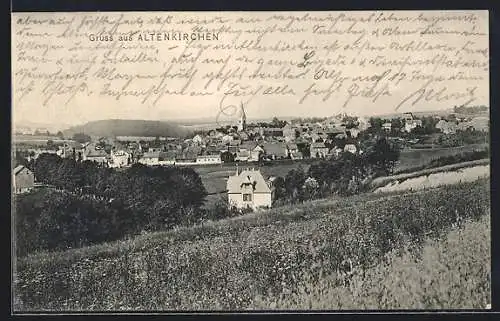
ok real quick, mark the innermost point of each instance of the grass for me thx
(418, 158)
(453, 273)
(244, 262)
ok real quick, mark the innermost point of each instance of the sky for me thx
(35, 33)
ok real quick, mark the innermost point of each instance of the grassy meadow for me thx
(416, 158)
(401, 250)
(453, 273)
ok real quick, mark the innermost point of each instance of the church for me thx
(242, 119)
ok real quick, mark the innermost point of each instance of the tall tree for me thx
(382, 156)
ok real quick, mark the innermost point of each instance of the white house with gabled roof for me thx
(248, 189)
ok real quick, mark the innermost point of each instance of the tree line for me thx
(346, 174)
(88, 204)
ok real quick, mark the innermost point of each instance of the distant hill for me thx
(128, 127)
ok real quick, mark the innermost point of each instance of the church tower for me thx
(242, 122)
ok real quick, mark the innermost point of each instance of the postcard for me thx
(250, 161)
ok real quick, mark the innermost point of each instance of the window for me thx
(247, 197)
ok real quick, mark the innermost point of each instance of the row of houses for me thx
(451, 127)
(446, 127)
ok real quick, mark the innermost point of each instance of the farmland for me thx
(414, 158)
(279, 258)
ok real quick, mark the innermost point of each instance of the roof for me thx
(243, 153)
(19, 168)
(97, 153)
(248, 145)
(91, 151)
(272, 129)
(151, 155)
(254, 177)
(168, 155)
(278, 149)
(243, 135)
(318, 145)
(235, 142)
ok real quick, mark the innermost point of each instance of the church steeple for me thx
(242, 122)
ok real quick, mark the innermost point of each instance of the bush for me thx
(95, 204)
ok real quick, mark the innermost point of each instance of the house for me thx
(291, 149)
(23, 179)
(243, 155)
(336, 152)
(70, 149)
(363, 123)
(155, 149)
(354, 132)
(212, 150)
(447, 127)
(316, 137)
(208, 159)
(197, 139)
(296, 155)
(95, 153)
(168, 158)
(150, 159)
(271, 132)
(255, 153)
(412, 124)
(289, 133)
(119, 159)
(227, 138)
(234, 146)
(248, 189)
(318, 150)
(275, 150)
(351, 148)
(243, 136)
(387, 126)
(222, 148)
(408, 117)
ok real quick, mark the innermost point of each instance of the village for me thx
(247, 145)
(243, 142)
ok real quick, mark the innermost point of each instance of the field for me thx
(37, 141)
(414, 158)
(392, 251)
(430, 280)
